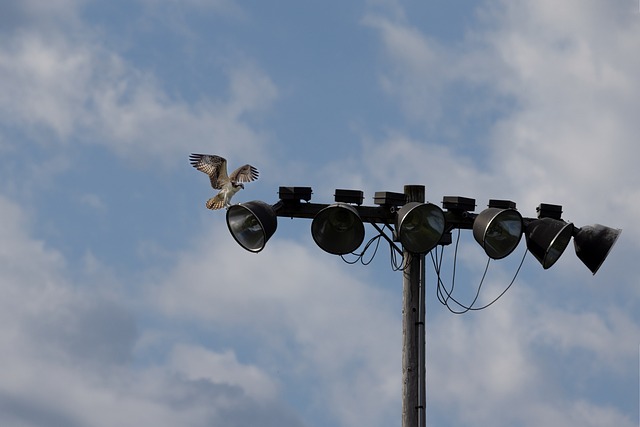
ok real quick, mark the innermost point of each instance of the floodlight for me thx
(498, 231)
(547, 238)
(419, 226)
(338, 229)
(252, 224)
(593, 243)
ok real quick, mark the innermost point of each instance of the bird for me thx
(216, 167)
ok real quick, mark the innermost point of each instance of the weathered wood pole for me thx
(413, 330)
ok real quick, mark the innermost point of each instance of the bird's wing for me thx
(212, 165)
(244, 173)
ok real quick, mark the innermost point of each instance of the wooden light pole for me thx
(413, 330)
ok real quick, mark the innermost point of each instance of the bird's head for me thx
(238, 185)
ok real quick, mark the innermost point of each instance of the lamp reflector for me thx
(252, 224)
(498, 231)
(547, 238)
(593, 243)
(338, 229)
(420, 226)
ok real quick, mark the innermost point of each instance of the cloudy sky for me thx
(125, 302)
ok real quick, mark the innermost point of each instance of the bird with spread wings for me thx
(229, 185)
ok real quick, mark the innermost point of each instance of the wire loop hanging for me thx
(445, 296)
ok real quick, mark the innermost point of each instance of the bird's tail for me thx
(216, 202)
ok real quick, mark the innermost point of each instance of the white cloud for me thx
(67, 348)
(222, 368)
(569, 73)
(56, 87)
(46, 15)
(337, 329)
(93, 201)
(227, 8)
(577, 413)
(608, 335)
(419, 67)
(67, 351)
(576, 87)
(495, 362)
(44, 83)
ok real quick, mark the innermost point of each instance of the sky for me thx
(125, 302)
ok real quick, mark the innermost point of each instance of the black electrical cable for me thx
(375, 251)
(466, 308)
(395, 265)
(445, 296)
(438, 266)
(351, 262)
(507, 288)
(360, 256)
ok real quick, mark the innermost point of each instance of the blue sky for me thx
(126, 302)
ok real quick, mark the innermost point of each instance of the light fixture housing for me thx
(252, 224)
(547, 238)
(593, 244)
(338, 229)
(295, 194)
(349, 196)
(498, 231)
(388, 198)
(547, 210)
(420, 226)
(458, 204)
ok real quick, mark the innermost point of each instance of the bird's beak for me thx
(242, 186)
